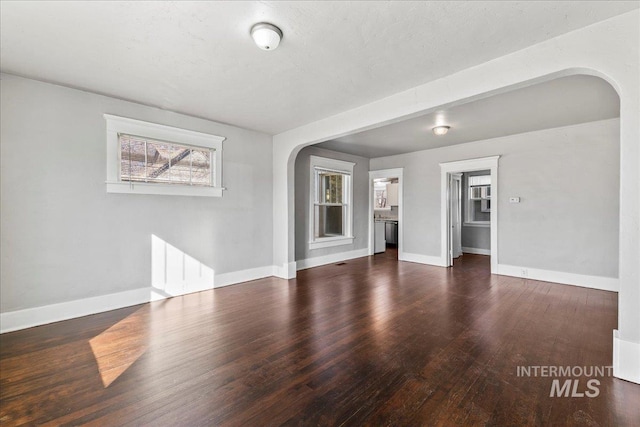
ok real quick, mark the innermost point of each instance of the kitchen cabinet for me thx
(392, 194)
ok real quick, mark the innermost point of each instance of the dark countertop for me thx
(385, 220)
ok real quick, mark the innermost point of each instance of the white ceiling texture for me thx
(197, 58)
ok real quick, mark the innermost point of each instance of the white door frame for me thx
(387, 173)
(470, 165)
(458, 232)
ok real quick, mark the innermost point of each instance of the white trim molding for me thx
(329, 242)
(303, 264)
(476, 251)
(162, 189)
(241, 276)
(585, 281)
(468, 165)
(117, 125)
(626, 359)
(30, 317)
(286, 271)
(36, 316)
(423, 259)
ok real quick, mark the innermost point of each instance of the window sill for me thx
(161, 189)
(328, 242)
(476, 224)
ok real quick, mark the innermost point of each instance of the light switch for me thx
(514, 199)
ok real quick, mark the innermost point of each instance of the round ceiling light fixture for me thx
(441, 130)
(266, 36)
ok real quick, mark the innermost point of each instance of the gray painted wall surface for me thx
(64, 238)
(568, 182)
(360, 202)
(473, 236)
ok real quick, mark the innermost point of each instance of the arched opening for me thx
(292, 142)
(492, 126)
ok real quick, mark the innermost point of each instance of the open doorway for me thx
(469, 191)
(470, 213)
(385, 213)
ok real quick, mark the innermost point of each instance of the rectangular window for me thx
(331, 215)
(140, 159)
(478, 210)
(330, 205)
(147, 160)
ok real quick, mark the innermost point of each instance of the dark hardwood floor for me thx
(370, 342)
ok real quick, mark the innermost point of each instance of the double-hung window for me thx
(331, 210)
(478, 200)
(148, 158)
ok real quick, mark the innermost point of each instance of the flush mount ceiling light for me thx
(441, 130)
(266, 36)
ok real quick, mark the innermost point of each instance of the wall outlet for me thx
(514, 199)
(525, 272)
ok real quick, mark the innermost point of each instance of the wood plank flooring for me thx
(370, 342)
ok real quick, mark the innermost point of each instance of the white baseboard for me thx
(235, 277)
(476, 251)
(330, 259)
(286, 271)
(27, 318)
(594, 282)
(626, 359)
(422, 259)
(30, 317)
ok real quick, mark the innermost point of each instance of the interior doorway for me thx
(469, 196)
(470, 213)
(385, 212)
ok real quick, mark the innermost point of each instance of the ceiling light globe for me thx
(441, 130)
(266, 36)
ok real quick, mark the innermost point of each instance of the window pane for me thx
(158, 161)
(131, 158)
(200, 167)
(166, 162)
(329, 221)
(180, 165)
(331, 185)
(477, 213)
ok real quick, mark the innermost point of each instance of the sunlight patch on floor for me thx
(118, 347)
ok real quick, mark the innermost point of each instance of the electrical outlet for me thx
(525, 272)
(514, 199)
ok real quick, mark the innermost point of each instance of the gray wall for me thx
(568, 182)
(360, 202)
(478, 237)
(65, 238)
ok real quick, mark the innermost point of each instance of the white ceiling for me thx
(561, 102)
(197, 57)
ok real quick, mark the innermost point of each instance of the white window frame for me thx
(122, 125)
(468, 219)
(317, 163)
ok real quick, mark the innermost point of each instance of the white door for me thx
(455, 220)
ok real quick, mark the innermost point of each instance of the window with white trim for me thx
(331, 195)
(478, 210)
(148, 158)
